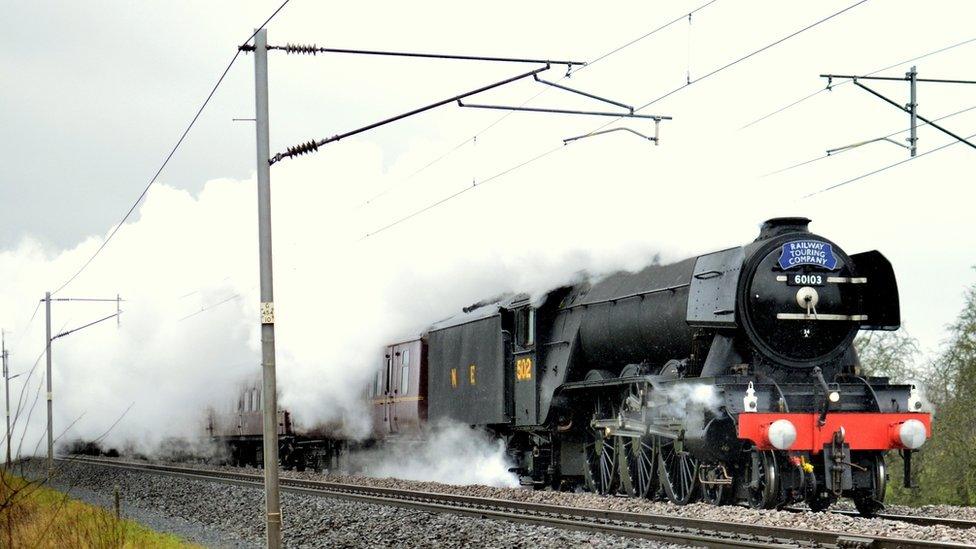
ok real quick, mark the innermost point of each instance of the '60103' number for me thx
(805, 280)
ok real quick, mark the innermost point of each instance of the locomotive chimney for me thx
(782, 225)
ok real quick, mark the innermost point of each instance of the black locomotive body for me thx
(728, 377)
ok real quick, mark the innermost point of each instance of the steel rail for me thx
(704, 532)
(918, 520)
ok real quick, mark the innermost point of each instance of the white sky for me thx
(97, 92)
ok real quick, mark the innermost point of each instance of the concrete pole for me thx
(269, 392)
(6, 387)
(50, 404)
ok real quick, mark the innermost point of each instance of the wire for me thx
(30, 413)
(498, 120)
(649, 103)
(112, 426)
(312, 49)
(208, 307)
(735, 62)
(462, 191)
(681, 17)
(25, 382)
(812, 160)
(889, 166)
(821, 90)
(27, 327)
(171, 152)
(755, 52)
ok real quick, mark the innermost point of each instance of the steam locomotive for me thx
(730, 377)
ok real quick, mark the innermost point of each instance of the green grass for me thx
(35, 516)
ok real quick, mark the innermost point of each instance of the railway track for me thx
(674, 529)
(920, 520)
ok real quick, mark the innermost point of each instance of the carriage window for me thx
(404, 377)
(256, 396)
(525, 327)
(406, 357)
(389, 374)
(378, 389)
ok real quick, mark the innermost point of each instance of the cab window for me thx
(525, 327)
(378, 390)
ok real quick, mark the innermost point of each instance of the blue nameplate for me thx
(808, 252)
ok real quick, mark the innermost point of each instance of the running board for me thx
(631, 428)
(820, 316)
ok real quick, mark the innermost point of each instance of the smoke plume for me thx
(186, 269)
(450, 453)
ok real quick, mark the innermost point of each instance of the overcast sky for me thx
(95, 94)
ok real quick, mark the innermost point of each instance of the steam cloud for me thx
(686, 402)
(186, 268)
(451, 453)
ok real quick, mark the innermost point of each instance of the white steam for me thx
(686, 403)
(186, 266)
(450, 453)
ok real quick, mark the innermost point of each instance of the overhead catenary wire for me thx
(835, 153)
(885, 168)
(755, 52)
(208, 307)
(20, 398)
(462, 191)
(26, 328)
(171, 153)
(601, 127)
(834, 85)
(736, 61)
(25, 381)
(474, 137)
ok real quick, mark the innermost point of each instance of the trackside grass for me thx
(32, 515)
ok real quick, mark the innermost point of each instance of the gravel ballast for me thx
(223, 515)
(813, 521)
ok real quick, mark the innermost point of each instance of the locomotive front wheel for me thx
(678, 472)
(763, 478)
(870, 501)
(600, 452)
(714, 490)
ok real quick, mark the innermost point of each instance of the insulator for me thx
(304, 148)
(306, 49)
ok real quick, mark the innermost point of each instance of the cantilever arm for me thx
(868, 142)
(635, 132)
(564, 111)
(920, 117)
